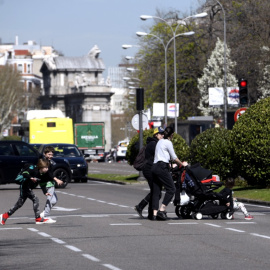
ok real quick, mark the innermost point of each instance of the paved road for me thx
(98, 229)
(111, 168)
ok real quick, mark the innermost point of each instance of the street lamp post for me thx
(225, 68)
(140, 34)
(179, 22)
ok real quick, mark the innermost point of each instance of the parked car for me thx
(36, 145)
(13, 156)
(70, 152)
(121, 150)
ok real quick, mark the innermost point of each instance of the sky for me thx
(75, 26)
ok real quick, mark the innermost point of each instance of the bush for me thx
(12, 138)
(251, 135)
(180, 146)
(213, 150)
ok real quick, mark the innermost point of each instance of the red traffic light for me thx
(243, 83)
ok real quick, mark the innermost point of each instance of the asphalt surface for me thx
(97, 228)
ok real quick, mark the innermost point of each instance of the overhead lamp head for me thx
(200, 15)
(188, 33)
(126, 46)
(140, 34)
(146, 17)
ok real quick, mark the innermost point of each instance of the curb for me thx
(144, 182)
(253, 201)
(116, 182)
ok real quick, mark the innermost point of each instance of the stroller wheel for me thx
(223, 215)
(178, 210)
(214, 216)
(229, 216)
(198, 215)
(185, 211)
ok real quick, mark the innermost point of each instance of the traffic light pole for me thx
(140, 106)
(225, 68)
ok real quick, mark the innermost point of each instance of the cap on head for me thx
(158, 130)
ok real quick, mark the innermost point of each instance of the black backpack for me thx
(19, 180)
(140, 160)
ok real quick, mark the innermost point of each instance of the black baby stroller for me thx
(199, 184)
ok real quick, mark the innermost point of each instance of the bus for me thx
(44, 130)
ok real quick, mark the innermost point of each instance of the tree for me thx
(189, 63)
(251, 141)
(264, 84)
(213, 76)
(248, 27)
(12, 96)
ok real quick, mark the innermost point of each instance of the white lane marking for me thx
(90, 257)
(32, 229)
(111, 267)
(95, 215)
(125, 224)
(261, 235)
(241, 222)
(123, 206)
(44, 234)
(235, 230)
(59, 241)
(101, 201)
(14, 228)
(91, 199)
(79, 196)
(73, 248)
(183, 223)
(112, 203)
(213, 225)
(64, 209)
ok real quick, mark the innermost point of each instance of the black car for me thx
(70, 152)
(13, 156)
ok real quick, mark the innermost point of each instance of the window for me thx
(20, 68)
(51, 124)
(5, 150)
(28, 68)
(25, 151)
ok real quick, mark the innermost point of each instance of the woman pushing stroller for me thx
(161, 174)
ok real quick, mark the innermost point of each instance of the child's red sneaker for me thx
(3, 218)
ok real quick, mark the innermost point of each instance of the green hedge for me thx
(213, 150)
(251, 135)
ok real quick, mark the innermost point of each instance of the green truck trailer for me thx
(90, 139)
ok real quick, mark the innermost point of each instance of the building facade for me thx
(76, 86)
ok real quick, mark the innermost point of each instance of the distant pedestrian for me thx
(48, 188)
(32, 175)
(161, 174)
(149, 156)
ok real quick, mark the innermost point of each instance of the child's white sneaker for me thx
(249, 217)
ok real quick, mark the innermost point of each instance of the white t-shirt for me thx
(164, 151)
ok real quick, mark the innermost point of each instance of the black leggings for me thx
(26, 192)
(162, 177)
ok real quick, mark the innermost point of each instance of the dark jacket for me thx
(33, 172)
(150, 149)
(227, 197)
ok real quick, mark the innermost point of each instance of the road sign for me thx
(135, 121)
(238, 113)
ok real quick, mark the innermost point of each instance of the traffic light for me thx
(140, 99)
(243, 92)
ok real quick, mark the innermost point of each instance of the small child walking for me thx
(48, 188)
(231, 202)
(32, 174)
